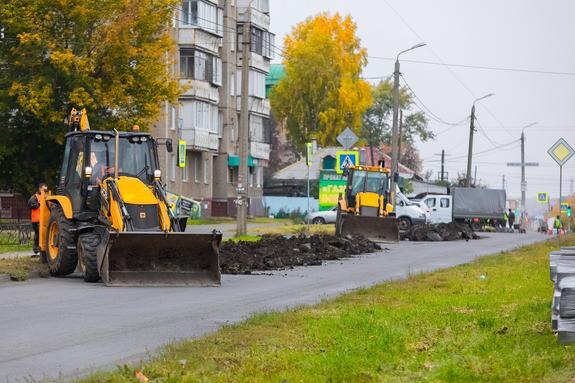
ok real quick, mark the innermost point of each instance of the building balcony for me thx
(199, 89)
(256, 105)
(260, 150)
(257, 61)
(193, 35)
(202, 140)
(254, 16)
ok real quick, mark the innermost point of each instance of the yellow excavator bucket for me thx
(159, 259)
(377, 229)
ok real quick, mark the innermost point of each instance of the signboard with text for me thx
(331, 185)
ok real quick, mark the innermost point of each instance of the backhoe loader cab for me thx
(110, 217)
(365, 207)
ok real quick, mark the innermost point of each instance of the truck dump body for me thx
(478, 203)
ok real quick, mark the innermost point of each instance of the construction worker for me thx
(511, 218)
(558, 225)
(34, 206)
(505, 218)
(97, 169)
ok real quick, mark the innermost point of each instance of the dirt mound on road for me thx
(275, 252)
(452, 231)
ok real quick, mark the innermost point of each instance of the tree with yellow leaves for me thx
(108, 56)
(322, 92)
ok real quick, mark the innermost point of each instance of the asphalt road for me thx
(60, 328)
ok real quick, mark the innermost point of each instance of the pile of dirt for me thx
(452, 231)
(276, 252)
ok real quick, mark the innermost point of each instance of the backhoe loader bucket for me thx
(159, 259)
(377, 229)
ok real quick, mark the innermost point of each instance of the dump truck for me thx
(110, 217)
(365, 207)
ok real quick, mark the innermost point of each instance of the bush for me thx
(19, 275)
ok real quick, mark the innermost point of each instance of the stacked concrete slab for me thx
(562, 274)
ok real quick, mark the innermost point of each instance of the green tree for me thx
(108, 56)
(322, 92)
(377, 122)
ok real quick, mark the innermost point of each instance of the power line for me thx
(503, 69)
(439, 119)
(442, 62)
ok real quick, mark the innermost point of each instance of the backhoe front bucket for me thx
(377, 229)
(159, 259)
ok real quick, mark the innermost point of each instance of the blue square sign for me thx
(344, 159)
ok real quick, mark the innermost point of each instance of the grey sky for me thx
(522, 34)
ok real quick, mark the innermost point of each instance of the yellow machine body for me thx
(364, 208)
(120, 228)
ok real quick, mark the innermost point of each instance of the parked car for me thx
(323, 217)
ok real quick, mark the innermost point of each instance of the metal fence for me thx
(15, 233)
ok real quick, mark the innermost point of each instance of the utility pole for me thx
(243, 184)
(523, 182)
(471, 131)
(442, 164)
(442, 173)
(571, 186)
(503, 182)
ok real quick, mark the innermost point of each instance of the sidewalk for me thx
(16, 254)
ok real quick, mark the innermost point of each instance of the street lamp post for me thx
(471, 131)
(395, 125)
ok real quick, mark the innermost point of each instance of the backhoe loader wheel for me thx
(87, 246)
(61, 251)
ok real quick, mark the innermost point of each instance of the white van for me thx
(440, 207)
(409, 213)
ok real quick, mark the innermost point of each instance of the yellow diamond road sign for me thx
(561, 152)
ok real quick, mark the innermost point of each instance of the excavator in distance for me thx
(110, 217)
(365, 208)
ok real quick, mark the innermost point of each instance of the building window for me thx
(259, 177)
(202, 14)
(261, 42)
(173, 165)
(186, 63)
(198, 65)
(186, 170)
(206, 171)
(200, 115)
(232, 174)
(256, 128)
(197, 167)
(173, 124)
(257, 84)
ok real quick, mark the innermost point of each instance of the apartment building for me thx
(208, 65)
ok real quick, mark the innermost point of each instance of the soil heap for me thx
(452, 231)
(276, 252)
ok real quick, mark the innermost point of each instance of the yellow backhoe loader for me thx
(365, 207)
(110, 217)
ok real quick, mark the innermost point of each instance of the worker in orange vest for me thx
(34, 206)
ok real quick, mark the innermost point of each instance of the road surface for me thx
(61, 328)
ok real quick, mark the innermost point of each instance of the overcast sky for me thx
(515, 34)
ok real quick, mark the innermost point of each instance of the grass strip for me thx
(19, 268)
(481, 322)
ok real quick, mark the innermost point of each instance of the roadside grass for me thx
(220, 220)
(294, 229)
(481, 322)
(244, 238)
(19, 268)
(13, 248)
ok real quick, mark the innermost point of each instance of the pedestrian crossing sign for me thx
(542, 197)
(345, 159)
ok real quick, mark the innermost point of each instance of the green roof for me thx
(276, 73)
